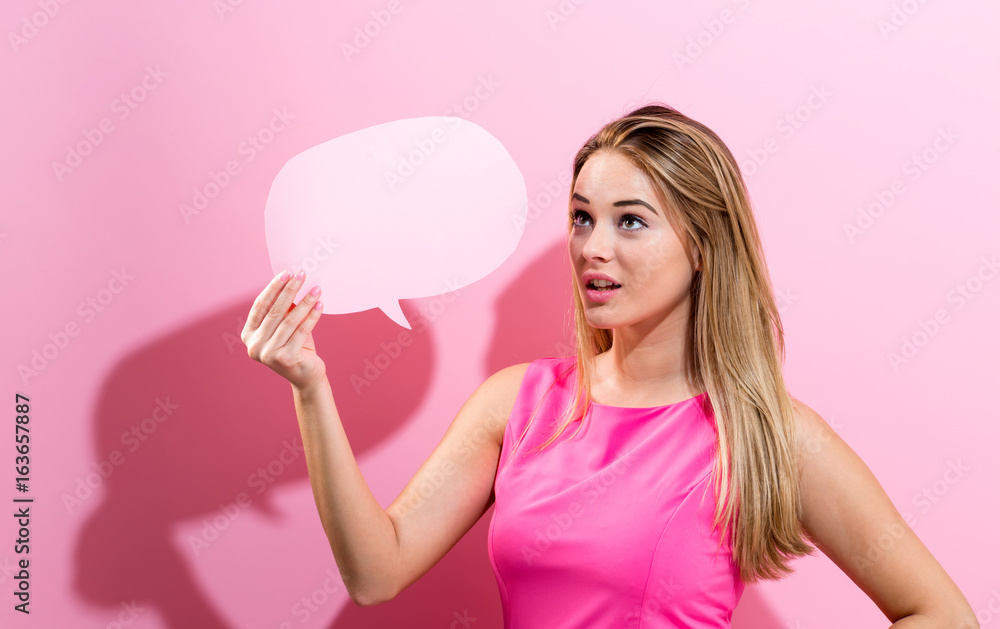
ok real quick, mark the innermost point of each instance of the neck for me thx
(651, 362)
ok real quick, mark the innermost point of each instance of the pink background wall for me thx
(888, 105)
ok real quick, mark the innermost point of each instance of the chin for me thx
(601, 323)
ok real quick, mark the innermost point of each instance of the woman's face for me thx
(620, 229)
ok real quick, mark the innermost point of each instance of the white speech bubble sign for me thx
(405, 209)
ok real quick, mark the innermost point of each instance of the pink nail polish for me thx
(284, 276)
(300, 275)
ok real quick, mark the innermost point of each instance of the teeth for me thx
(602, 283)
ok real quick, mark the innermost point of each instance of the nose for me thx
(598, 244)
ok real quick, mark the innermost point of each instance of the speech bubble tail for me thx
(394, 312)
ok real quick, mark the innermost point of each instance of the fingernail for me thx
(284, 276)
(300, 275)
(315, 291)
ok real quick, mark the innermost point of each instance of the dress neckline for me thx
(575, 368)
(649, 408)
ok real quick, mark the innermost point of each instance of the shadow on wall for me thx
(232, 416)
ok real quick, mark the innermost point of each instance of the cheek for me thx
(659, 255)
(661, 264)
(573, 246)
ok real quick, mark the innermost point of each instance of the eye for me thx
(577, 215)
(636, 219)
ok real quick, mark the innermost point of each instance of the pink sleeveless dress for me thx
(613, 527)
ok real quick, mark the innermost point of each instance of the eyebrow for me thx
(624, 203)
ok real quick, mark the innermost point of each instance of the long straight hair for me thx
(735, 332)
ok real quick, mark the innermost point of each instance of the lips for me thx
(591, 276)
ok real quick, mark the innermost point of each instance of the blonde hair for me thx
(735, 332)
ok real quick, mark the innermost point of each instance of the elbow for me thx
(966, 621)
(964, 616)
(362, 600)
(959, 616)
(366, 599)
(370, 596)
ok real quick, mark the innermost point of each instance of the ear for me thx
(695, 254)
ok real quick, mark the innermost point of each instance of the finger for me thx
(274, 315)
(264, 301)
(294, 318)
(302, 332)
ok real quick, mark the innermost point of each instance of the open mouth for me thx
(602, 285)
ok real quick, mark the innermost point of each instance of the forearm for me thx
(360, 532)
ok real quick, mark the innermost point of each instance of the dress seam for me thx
(656, 546)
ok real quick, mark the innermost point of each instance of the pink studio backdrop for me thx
(168, 486)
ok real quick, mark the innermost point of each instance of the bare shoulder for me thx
(812, 431)
(499, 392)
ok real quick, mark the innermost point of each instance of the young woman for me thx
(690, 471)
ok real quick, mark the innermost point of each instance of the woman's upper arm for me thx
(454, 486)
(848, 515)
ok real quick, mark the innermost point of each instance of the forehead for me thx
(611, 169)
(609, 176)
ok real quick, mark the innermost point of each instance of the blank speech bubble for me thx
(410, 208)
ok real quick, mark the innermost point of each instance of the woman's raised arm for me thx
(380, 552)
